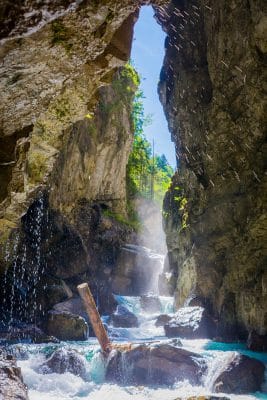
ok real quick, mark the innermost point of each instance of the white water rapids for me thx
(68, 386)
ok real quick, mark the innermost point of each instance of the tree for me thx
(148, 175)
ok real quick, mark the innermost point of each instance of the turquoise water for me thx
(93, 386)
(240, 347)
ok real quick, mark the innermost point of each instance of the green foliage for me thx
(132, 220)
(181, 200)
(148, 175)
(60, 35)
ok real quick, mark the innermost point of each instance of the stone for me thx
(135, 271)
(238, 374)
(163, 319)
(257, 342)
(150, 304)
(27, 332)
(214, 216)
(191, 323)
(158, 365)
(12, 386)
(203, 398)
(57, 293)
(62, 361)
(124, 318)
(66, 326)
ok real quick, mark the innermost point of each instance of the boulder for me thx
(191, 323)
(124, 318)
(11, 381)
(150, 304)
(27, 332)
(155, 365)
(238, 374)
(163, 319)
(56, 293)
(66, 326)
(62, 361)
(75, 306)
(257, 342)
(203, 398)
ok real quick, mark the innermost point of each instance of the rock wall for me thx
(55, 157)
(73, 230)
(215, 221)
(54, 57)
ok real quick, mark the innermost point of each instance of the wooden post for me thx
(94, 317)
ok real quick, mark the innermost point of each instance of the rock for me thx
(150, 304)
(203, 398)
(257, 342)
(66, 326)
(191, 323)
(124, 318)
(62, 361)
(11, 381)
(238, 374)
(56, 293)
(158, 365)
(135, 272)
(163, 319)
(213, 211)
(27, 332)
(75, 306)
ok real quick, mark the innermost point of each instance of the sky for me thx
(147, 57)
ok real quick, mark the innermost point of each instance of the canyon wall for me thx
(64, 153)
(212, 91)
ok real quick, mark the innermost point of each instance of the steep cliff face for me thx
(73, 230)
(63, 154)
(211, 89)
(54, 57)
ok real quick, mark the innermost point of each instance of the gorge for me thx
(65, 138)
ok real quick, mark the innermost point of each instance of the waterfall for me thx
(24, 269)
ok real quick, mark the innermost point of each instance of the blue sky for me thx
(147, 56)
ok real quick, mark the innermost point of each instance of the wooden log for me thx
(94, 317)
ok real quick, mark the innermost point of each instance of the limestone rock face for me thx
(11, 382)
(213, 98)
(71, 232)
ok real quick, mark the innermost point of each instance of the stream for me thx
(68, 386)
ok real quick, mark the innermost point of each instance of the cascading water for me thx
(93, 386)
(24, 272)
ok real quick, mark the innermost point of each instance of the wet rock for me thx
(150, 303)
(191, 323)
(56, 293)
(27, 332)
(213, 211)
(75, 306)
(124, 318)
(162, 365)
(257, 342)
(163, 319)
(203, 398)
(66, 326)
(11, 381)
(62, 361)
(238, 374)
(136, 270)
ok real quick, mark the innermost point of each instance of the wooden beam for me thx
(94, 317)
